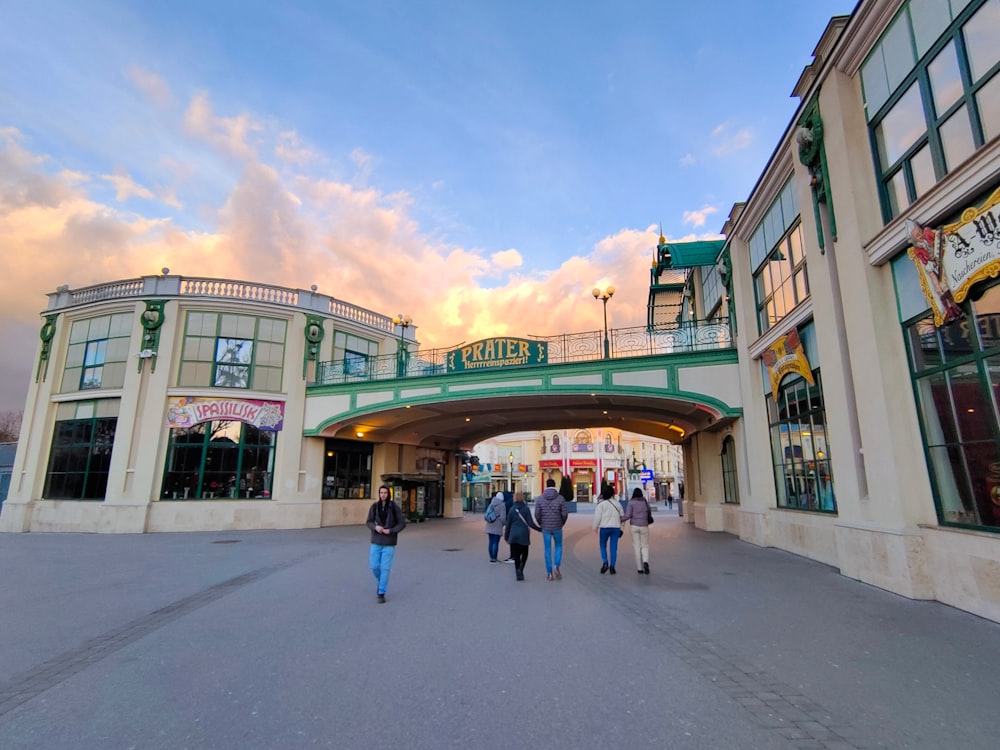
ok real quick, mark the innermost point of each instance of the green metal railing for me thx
(640, 341)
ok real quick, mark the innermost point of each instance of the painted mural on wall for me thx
(186, 411)
(785, 356)
(498, 352)
(952, 258)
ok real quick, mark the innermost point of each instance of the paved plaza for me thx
(274, 639)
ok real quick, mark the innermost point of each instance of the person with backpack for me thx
(517, 533)
(495, 517)
(608, 523)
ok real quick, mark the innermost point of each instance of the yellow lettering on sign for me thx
(523, 350)
(477, 351)
(490, 349)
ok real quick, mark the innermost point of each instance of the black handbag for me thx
(649, 514)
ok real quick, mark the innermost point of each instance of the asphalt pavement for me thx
(274, 639)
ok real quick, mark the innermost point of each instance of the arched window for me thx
(730, 485)
(555, 442)
(582, 442)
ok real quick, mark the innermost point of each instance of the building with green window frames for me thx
(864, 274)
(174, 403)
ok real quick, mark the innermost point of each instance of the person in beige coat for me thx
(608, 525)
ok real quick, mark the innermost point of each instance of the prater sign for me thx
(488, 354)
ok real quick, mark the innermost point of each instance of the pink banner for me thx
(187, 411)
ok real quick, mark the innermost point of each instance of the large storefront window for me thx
(928, 87)
(232, 351)
(220, 459)
(82, 440)
(98, 351)
(956, 372)
(347, 470)
(800, 450)
(803, 476)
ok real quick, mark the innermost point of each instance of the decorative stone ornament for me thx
(314, 336)
(151, 319)
(812, 154)
(47, 333)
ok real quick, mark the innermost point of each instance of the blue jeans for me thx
(380, 560)
(609, 536)
(494, 546)
(548, 537)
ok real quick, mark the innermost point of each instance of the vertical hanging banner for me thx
(785, 356)
(952, 258)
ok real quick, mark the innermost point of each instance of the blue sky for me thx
(501, 157)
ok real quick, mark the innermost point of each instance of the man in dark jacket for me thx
(551, 514)
(386, 520)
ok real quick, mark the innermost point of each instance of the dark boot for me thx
(604, 568)
(613, 571)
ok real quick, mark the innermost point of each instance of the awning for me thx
(689, 254)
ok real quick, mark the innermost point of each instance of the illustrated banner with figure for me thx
(186, 411)
(784, 356)
(954, 257)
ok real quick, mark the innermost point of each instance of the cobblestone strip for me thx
(774, 705)
(56, 670)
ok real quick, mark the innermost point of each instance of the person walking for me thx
(608, 525)
(517, 533)
(508, 502)
(386, 520)
(670, 501)
(494, 529)
(637, 513)
(551, 515)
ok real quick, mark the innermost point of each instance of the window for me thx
(778, 260)
(555, 443)
(956, 376)
(347, 469)
(711, 290)
(582, 442)
(782, 282)
(930, 88)
(357, 354)
(221, 459)
(802, 471)
(232, 351)
(98, 352)
(80, 457)
(730, 485)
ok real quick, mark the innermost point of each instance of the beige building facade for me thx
(861, 275)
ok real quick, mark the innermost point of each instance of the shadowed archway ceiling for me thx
(461, 424)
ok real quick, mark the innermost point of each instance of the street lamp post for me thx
(404, 322)
(604, 296)
(510, 460)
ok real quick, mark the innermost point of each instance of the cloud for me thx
(726, 142)
(688, 160)
(290, 149)
(507, 259)
(697, 218)
(125, 186)
(154, 88)
(229, 135)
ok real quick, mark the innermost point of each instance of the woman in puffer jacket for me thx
(608, 524)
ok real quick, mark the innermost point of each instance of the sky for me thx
(478, 166)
